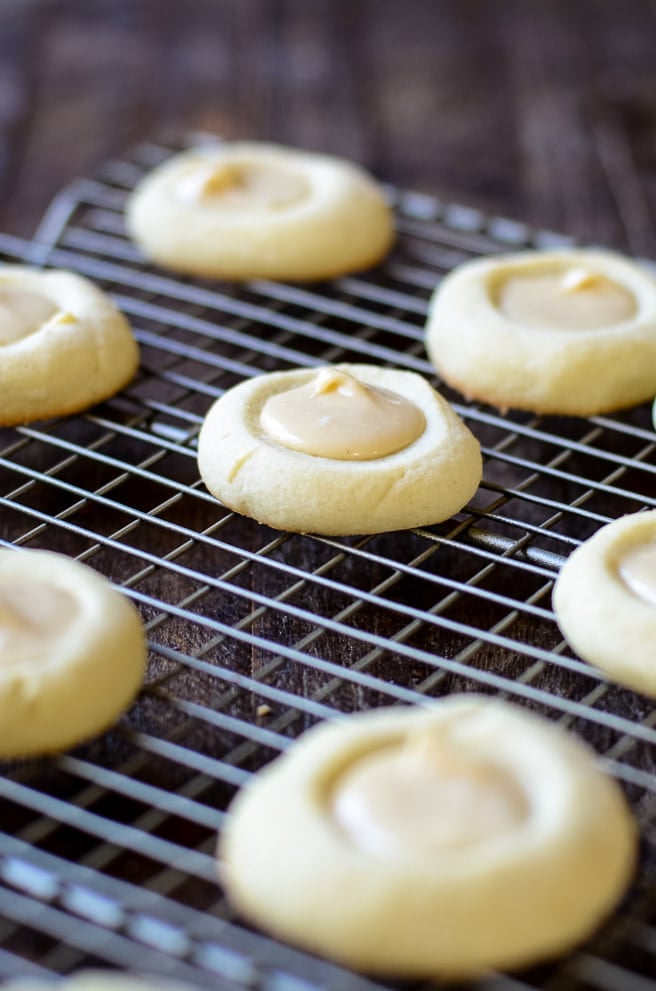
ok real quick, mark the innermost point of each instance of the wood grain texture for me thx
(544, 111)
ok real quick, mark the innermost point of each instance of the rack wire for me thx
(107, 852)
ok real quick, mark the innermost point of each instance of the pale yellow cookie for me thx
(569, 331)
(434, 842)
(252, 210)
(63, 345)
(398, 481)
(97, 980)
(72, 652)
(605, 600)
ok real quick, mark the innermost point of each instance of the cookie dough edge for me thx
(427, 482)
(603, 621)
(325, 919)
(549, 372)
(98, 681)
(353, 233)
(66, 368)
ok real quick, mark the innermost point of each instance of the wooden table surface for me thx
(544, 111)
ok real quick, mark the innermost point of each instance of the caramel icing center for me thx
(637, 570)
(32, 614)
(572, 300)
(235, 186)
(22, 313)
(336, 416)
(424, 797)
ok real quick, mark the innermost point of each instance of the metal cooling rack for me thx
(107, 853)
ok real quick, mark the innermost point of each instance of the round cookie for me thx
(433, 842)
(63, 345)
(566, 332)
(425, 482)
(73, 652)
(249, 210)
(605, 600)
(97, 980)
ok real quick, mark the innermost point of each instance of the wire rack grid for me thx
(107, 852)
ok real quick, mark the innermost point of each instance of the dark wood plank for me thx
(543, 111)
(437, 101)
(17, 32)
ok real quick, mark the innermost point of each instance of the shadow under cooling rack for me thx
(107, 853)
